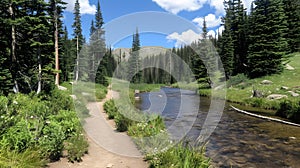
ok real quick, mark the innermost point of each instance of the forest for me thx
(37, 54)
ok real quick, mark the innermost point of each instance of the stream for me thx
(238, 140)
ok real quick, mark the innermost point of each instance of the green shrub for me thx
(30, 158)
(59, 100)
(18, 137)
(110, 109)
(69, 122)
(122, 123)
(51, 140)
(240, 81)
(179, 157)
(76, 146)
(152, 127)
(289, 109)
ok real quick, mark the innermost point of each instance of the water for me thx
(239, 140)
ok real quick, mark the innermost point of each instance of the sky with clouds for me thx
(193, 11)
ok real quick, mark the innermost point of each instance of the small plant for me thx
(29, 158)
(110, 109)
(76, 146)
(51, 140)
(180, 156)
(289, 109)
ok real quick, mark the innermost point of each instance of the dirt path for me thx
(107, 148)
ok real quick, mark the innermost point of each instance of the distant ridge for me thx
(144, 51)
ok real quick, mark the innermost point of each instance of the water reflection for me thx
(239, 140)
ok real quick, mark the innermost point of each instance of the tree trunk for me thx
(77, 61)
(56, 47)
(39, 89)
(13, 49)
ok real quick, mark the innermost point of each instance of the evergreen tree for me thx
(292, 11)
(134, 61)
(268, 44)
(98, 17)
(77, 30)
(226, 43)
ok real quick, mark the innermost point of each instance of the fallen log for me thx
(265, 117)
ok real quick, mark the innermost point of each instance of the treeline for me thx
(254, 43)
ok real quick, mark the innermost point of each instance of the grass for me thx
(241, 93)
(87, 90)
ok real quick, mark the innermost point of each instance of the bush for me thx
(289, 109)
(110, 109)
(179, 157)
(76, 146)
(68, 121)
(59, 100)
(51, 140)
(153, 126)
(122, 122)
(240, 81)
(17, 137)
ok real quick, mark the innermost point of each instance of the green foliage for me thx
(151, 127)
(290, 109)
(30, 158)
(180, 157)
(44, 122)
(17, 137)
(69, 122)
(51, 140)
(122, 122)
(110, 109)
(76, 146)
(268, 44)
(59, 100)
(240, 81)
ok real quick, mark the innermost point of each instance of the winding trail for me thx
(107, 147)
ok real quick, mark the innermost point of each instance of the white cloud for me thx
(184, 38)
(85, 7)
(220, 30)
(175, 6)
(211, 21)
(247, 4)
(218, 5)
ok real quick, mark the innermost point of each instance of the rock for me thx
(294, 94)
(284, 88)
(257, 93)
(292, 138)
(85, 94)
(62, 88)
(73, 97)
(71, 83)
(276, 96)
(289, 67)
(266, 82)
(109, 165)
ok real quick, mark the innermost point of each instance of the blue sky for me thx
(171, 22)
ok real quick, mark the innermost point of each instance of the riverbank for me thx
(278, 95)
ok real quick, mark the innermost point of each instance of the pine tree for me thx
(267, 40)
(77, 30)
(55, 11)
(134, 61)
(226, 43)
(98, 17)
(292, 11)
(98, 55)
